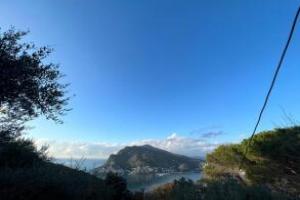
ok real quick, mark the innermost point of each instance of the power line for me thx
(274, 78)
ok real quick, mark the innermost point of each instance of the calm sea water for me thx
(150, 182)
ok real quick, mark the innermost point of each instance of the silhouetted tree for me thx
(29, 86)
(118, 185)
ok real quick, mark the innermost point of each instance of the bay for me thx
(150, 182)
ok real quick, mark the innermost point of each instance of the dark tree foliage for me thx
(231, 189)
(29, 86)
(182, 189)
(48, 181)
(118, 186)
(20, 153)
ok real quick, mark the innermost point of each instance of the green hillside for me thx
(273, 159)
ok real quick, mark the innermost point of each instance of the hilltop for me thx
(147, 159)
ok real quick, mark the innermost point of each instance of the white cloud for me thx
(181, 145)
(173, 143)
(79, 149)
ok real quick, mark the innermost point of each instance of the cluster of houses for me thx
(136, 170)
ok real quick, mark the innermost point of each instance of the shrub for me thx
(272, 159)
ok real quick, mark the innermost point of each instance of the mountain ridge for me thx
(147, 159)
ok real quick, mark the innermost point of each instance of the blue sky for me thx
(145, 69)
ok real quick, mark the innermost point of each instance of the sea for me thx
(150, 182)
(134, 182)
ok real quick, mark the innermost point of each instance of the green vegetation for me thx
(273, 160)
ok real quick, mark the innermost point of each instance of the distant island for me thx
(146, 159)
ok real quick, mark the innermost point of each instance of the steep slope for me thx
(149, 159)
(47, 181)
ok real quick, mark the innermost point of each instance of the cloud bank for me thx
(174, 143)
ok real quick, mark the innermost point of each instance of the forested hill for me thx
(147, 158)
(273, 160)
